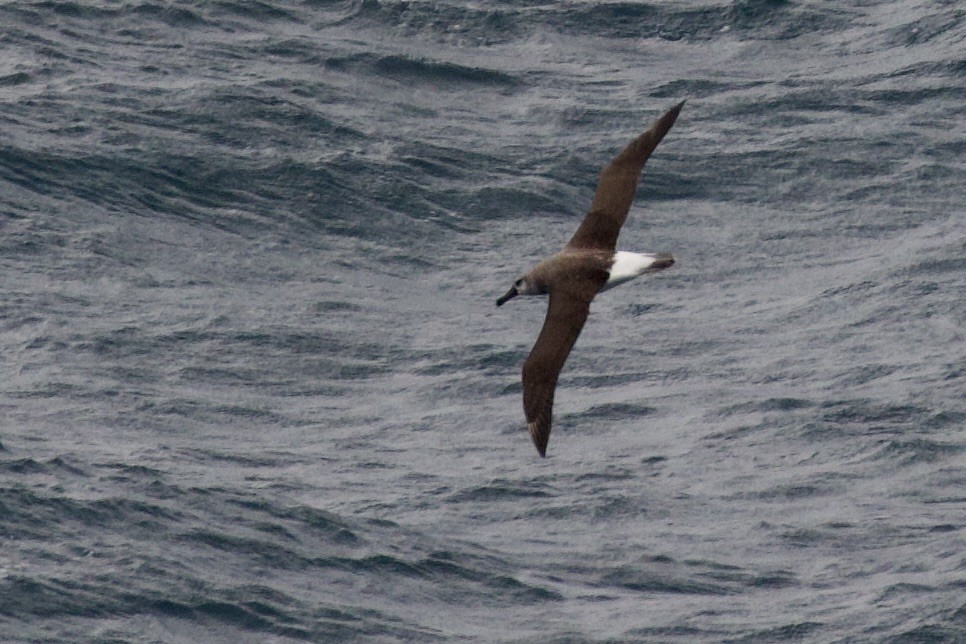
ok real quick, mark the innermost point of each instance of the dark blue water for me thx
(255, 387)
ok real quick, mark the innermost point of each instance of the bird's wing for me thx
(566, 314)
(616, 188)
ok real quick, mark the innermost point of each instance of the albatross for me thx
(588, 264)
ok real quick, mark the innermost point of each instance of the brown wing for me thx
(616, 188)
(566, 315)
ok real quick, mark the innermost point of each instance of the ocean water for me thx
(255, 388)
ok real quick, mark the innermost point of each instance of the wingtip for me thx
(540, 439)
(662, 126)
(674, 111)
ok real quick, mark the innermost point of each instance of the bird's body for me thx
(588, 265)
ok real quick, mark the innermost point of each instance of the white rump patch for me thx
(627, 266)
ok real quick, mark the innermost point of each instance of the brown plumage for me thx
(616, 187)
(587, 265)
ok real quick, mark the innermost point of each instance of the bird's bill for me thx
(512, 293)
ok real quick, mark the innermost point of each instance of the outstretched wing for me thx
(566, 315)
(616, 188)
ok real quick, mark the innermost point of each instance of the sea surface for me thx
(255, 387)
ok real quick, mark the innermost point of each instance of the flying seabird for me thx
(587, 265)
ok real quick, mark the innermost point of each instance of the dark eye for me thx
(518, 283)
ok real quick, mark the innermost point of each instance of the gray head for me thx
(525, 285)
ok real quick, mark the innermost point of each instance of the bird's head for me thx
(524, 285)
